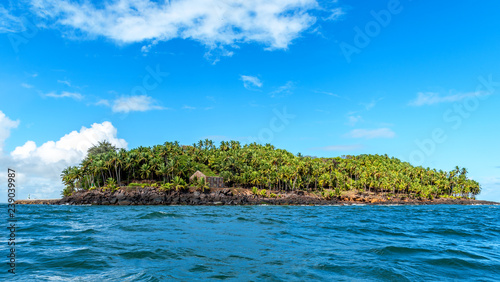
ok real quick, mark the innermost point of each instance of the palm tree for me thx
(145, 171)
(202, 184)
(178, 183)
(266, 166)
(163, 171)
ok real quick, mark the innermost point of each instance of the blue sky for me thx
(412, 79)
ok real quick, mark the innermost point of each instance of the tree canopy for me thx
(102, 147)
(265, 166)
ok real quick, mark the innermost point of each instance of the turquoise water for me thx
(256, 243)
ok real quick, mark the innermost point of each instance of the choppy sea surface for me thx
(255, 243)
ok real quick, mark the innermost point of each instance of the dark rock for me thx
(124, 202)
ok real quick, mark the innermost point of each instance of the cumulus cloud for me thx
(6, 124)
(39, 167)
(274, 23)
(432, 98)
(26, 85)
(72, 147)
(371, 133)
(128, 104)
(338, 148)
(64, 94)
(250, 82)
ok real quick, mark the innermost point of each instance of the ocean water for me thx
(255, 243)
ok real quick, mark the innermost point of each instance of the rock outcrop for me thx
(127, 196)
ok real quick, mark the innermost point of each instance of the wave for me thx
(398, 250)
(252, 243)
(160, 214)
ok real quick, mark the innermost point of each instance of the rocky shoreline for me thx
(232, 196)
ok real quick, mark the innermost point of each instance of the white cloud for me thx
(274, 23)
(102, 102)
(71, 148)
(431, 98)
(39, 167)
(26, 85)
(139, 103)
(335, 14)
(9, 22)
(64, 94)
(249, 82)
(328, 93)
(185, 107)
(283, 90)
(215, 53)
(354, 119)
(372, 104)
(339, 148)
(6, 125)
(371, 133)
(65, 82)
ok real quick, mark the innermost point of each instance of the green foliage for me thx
(337, 192)
(328, 194)
(263, 166)
(111, 182)
(166, 187)
(263, 192)
(67, 191)
(110, 185)
(102, 147)
(142, 185)
(202, 184)
(272, 195)
(255, 190)
(179, 183)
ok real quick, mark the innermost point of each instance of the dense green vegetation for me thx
(265, 167)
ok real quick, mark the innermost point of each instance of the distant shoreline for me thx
(235, 196)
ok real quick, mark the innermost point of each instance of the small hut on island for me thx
(212, 181)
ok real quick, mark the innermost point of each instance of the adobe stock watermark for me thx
(363, 36)
(455, 117)
(150, 81)
(278, 123)
(22, 38)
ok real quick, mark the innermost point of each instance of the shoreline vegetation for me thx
(257, 174)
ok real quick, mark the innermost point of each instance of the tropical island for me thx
(232, 174)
